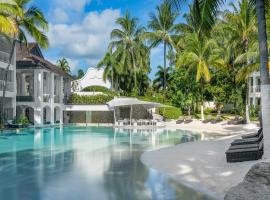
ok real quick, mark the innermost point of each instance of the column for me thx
(52, 96)
(23, 92)
(38, 116)
(38, 87)
(61, 95)
(61, 115)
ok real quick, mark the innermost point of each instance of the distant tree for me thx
(80, 74)
(63, 64)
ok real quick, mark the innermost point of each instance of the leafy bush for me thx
(89, 100)
(170, 112)
(23, 120)
(96, 88)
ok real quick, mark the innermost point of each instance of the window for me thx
(251, 101)
(258, 101)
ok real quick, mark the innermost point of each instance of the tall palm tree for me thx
(198, 57)
(109, 64)
(241, 24)
(63, 64)
(162, 25)
(27, 20)
(129, 48)
(158, 82)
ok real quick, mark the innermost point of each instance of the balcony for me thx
(258, 89)
(56, 99)
(46, 97)
(25, 98)
(9, 88)
(4, 57)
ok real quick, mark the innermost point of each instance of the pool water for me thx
(85, 163)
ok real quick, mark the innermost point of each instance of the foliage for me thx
(80, 74)
(170, 112)
(89, 100)
(22, 120)
(64, 65)
(97, 88)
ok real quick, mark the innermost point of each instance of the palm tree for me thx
(241, 23)
(109, 64)
(162, 24)
(27, 20)
(158, 82)
(7, 22)
(129, 48)
(63, 64)
(198, 57)
(80, 74)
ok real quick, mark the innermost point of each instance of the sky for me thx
(79, 30)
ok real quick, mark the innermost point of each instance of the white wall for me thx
(92, 77)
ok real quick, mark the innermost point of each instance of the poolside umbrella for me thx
(126, 101)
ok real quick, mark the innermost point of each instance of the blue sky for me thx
(80, 29)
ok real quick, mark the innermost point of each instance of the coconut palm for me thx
(129, 47)
(158, 82)
(27, 20)
(162, 25)
(241, 24)
(198, 57)
(63, 64)
(7, 22)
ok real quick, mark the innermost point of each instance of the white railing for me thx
(10, 86)
(4, 57)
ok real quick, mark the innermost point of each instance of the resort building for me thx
(42, 87)
(93, 77)
(10, 96)
(255, 89)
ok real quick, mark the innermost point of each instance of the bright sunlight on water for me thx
(85, 163)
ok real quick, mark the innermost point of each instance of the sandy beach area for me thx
(202, 165)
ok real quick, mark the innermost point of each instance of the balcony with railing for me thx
(4, 57)
(25, 98)
(9, 86)
(46, 97)
(258, 88)
(56, 99)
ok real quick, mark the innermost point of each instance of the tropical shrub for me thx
(89, 100)
(170, 112)
(23, 120)
(96, 88)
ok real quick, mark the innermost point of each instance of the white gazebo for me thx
(130, 102)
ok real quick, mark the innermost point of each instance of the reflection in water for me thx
(87, 163)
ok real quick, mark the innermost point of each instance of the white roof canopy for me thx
(125, 101)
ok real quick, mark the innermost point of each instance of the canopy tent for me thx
(126, 101)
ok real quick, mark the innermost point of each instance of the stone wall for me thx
(91, 117)
(138, 112)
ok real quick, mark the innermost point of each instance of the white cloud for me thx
(88, 39)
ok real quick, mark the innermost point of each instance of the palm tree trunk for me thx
(112, 80)
(5, 81)
(134, 71)
(264, 71)
(165, 70)
(202, 106)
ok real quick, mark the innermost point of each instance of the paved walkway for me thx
(202, 165)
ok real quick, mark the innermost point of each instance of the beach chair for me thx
(180, 120)
(252, 140)
(245, 154)
(217, 120)
(188, 120)
(253, 134)
(207, 120)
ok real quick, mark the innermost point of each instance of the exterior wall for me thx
(10, 100)
(254, 89)
(82, 117)
(92, 77)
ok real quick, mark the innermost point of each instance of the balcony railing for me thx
(9, 88)
(25, 98)
(4, 57)
(258, 89)
(46, 97)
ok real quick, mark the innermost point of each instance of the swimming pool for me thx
(85, 163)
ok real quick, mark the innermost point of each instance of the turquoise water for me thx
(85, 163)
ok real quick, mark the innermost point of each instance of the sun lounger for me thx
(245, 154)
(252, 134)
(180, 121)
(237, 120)
(207, 120)
(188, 120)
(248, 140)
(217, 120)
(246, 146)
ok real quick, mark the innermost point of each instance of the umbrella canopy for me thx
(126, 101)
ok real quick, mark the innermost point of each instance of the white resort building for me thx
(255, 89)
(36, 88)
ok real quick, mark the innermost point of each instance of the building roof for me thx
(31, 56)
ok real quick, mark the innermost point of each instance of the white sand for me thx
(202, 165)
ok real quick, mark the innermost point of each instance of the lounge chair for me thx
(180, 120)
(217, 120)
(245, 154)
(252, 140)
(188, 120)
(253, 134)
(236, 121)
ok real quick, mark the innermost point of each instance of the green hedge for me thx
(89, 100)
(96, 88)
(170, 112)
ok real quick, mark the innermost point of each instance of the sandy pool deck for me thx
(202, 165)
